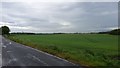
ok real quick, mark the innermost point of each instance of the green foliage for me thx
(5, 30)
(115, 32)
(0, 31)
(85, 49)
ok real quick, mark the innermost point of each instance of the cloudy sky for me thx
(59, 16)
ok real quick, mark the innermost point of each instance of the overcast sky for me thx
(59, 16)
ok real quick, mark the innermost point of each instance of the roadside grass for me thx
(83, 49)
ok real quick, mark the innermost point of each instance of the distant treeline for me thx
(112, 32)
(22, 33)
(36, 33)
(115, 32)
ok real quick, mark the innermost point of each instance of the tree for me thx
(115, 32)
(0, 31)
(5, 30)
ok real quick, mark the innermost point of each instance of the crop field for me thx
(83, 49)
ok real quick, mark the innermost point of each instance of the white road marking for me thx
(14, 59)
(35, 58)
(4, 46)
(40, 60)
(10, 43)
(9, 51)
(49, 54)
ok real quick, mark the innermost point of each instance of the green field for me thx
(84, 49)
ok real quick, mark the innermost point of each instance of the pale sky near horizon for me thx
(59, 16)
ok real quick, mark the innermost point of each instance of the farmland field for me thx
(83, 49)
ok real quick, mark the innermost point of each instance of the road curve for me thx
(15, 54)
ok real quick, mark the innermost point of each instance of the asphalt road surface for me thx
(0, 51)
(15, 54)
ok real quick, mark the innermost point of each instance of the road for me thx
(0, 51)
(15, 54)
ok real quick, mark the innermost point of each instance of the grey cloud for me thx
(61, 17)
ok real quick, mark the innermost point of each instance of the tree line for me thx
(112, 32)
(5, 30)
